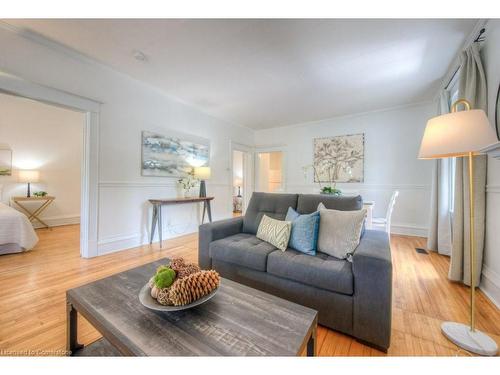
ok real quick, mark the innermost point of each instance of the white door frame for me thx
(272, 148)
(235, 146)
(10, 84)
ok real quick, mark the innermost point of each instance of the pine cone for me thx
(163, 296)
(177, 264)
(187, 270)
(193, 287)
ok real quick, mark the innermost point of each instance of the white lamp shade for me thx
(456, 134)
(202, 173)
(238, 181)
(29, 176)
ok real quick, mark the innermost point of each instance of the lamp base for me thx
(476, 342)
(203, 189)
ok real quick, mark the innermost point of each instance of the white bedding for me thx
(15, 229)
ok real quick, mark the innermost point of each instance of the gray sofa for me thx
(353, 298)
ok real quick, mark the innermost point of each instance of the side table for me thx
(34, 214)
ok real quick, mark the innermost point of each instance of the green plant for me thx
(330, 190)
(40, 193)
(164, 278)
(188, 182)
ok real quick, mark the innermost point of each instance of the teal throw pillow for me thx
(305, 228)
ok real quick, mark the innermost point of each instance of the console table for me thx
(35, 214)
(158, 203)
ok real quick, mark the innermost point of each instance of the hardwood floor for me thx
(33, 285)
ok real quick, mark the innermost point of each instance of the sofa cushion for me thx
(270, 204)
(321, 271)
(242, 249)
(308, 203)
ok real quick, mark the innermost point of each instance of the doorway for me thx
(13, 85)
(242, 177)
(269, 171)
(44, 177)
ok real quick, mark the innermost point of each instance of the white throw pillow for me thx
(339, 231)
(276, 232)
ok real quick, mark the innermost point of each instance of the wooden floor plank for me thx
(33, 315)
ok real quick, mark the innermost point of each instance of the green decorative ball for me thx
(164, 278)
(162, 268)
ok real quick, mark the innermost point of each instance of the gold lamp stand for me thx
(468, 337)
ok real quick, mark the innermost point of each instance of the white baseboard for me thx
(56, 221)
(408, 230)
(490, 285)
(120, 242)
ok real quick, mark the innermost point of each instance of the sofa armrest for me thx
(372, 270)
(215, 231)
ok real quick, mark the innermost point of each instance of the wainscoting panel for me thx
(411, 213)
(125, 213)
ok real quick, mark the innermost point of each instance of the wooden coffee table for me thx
(237, 321)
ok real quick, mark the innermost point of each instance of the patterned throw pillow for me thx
(304, 236)
(339, 231)
(276, 232)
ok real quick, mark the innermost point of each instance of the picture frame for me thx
(5, 162)
(172, 154)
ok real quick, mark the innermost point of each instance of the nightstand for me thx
(34, 215)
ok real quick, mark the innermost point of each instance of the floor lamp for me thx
(460, 134)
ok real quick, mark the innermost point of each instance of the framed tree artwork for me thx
(5, 162)
(339, 158)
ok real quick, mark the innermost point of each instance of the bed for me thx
(16, 232)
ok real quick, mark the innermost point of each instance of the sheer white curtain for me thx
(472, 86)
(439, 236)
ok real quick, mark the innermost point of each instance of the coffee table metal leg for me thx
(203, 214)
(311, 344)
(72, 329)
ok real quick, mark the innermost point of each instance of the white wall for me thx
(490, 282)
(392, 140)
(128, 106)
(49, 139)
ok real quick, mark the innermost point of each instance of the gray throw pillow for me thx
(339, 231)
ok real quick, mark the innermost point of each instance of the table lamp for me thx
(458, 134)
(202, 173)
(29, 176)
(238, 181)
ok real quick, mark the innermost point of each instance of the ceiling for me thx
(268, 73)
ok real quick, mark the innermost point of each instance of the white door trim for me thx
(235, 146)
(272, 148)
(13, 85)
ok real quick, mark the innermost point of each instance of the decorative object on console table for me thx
(202, 174)
(157, 214)
(460, 134)
(29, 176)
(34, 215)
(187, 184)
